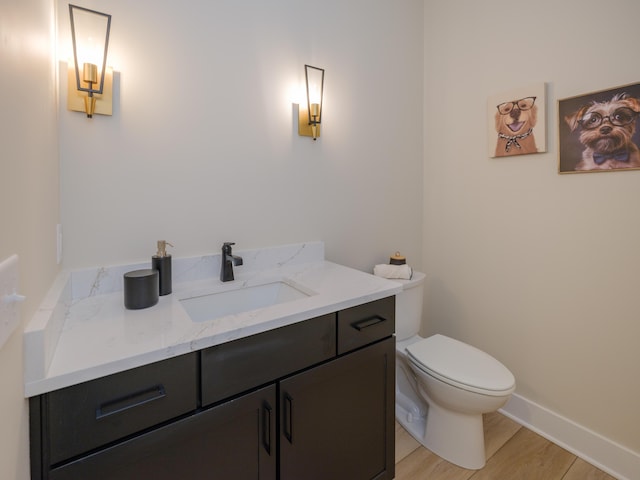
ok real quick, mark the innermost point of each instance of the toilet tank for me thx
(409, 306)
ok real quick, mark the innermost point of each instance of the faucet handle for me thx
(226, 247)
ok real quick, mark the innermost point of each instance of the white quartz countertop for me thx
(83, 331)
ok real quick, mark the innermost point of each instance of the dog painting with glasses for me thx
(518, 122)
(598, 131)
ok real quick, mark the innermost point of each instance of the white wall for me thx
(202, 147)
(539, 269)
(29, 196)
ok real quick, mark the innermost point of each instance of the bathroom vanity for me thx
(298, 389)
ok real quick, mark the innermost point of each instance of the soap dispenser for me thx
(161, 261)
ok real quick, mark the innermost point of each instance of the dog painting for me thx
(515, 124)
(600, 131)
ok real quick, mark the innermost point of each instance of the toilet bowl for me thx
(443, 386)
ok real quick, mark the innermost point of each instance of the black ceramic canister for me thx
(140, 289)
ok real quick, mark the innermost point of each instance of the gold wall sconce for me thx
(90, 85)
(310, 116)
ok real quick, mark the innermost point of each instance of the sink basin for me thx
(243, 299)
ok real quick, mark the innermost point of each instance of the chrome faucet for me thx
(227, 262)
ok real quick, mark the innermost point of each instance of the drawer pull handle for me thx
(130, 401)
(266, 427)
(288, 417)
(368, 322)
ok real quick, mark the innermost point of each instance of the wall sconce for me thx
(90, 88)
(310, 117)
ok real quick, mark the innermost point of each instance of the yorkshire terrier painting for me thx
(606, 133)
(515, 121)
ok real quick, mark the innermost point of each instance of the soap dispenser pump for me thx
(161, 261)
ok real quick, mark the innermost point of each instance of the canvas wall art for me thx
(517, 121)
(597, 131)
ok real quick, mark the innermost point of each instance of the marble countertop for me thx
(82, 330)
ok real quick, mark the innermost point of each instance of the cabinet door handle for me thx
(266, 427)
(288, 417)
(368, 322)
(125, 403)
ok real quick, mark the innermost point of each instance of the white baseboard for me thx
(608, 456)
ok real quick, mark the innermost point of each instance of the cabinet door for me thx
(337, 420)
(235, 440)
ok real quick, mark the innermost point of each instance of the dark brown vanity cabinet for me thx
(312, 400)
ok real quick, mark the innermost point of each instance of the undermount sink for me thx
(242, 299)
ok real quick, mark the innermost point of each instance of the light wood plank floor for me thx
(513, 453)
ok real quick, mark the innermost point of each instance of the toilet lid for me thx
(459, 364)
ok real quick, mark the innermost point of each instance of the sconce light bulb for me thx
(315, 113)
(315, 110)
(90, 73)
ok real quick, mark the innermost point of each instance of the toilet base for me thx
(456, 437)
(410, 417)
(411, 409)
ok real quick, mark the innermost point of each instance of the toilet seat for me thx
(461, 365)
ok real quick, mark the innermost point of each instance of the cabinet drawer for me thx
(91, 414)
(365, 324)
(234, 367)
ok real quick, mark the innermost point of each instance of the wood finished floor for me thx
(513, 453)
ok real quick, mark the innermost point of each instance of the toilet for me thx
(443, 386)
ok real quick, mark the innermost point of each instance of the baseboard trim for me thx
(608, 456)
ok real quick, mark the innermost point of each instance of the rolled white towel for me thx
(403, 272)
